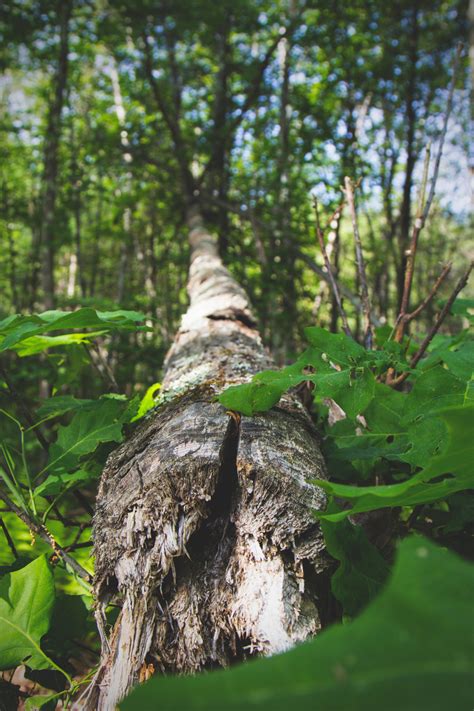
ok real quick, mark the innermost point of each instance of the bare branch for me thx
(252, 92)
(435, 327)
(171, 119)
(349, 193)
(431, 295)
(9, 539)
(332, 280)
(411, 254)
(449, 106)
(424, 208)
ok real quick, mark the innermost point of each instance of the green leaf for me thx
(56, 483)
(433, 390)
(352, 391)
(461, 512)
(85, 432)
(362, 570)
(411, 649)
(457, 352)
(38, 701)
(400, 426)
(60, 404)
(18, 328)
(26, 605)
(72, 621)
(454, 460)
(463, 307)
(147, 402)
(38, 344)
(335, 347)
(256, 396)
(352, 388)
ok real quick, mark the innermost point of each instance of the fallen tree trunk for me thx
(204, 528)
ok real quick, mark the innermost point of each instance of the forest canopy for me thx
(235, 258)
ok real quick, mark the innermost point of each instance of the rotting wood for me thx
(204, 527)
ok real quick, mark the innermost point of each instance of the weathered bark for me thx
(204, 526)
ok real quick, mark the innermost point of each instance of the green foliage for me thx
(342, 373)
(33, 617)
(87, 429)
(454, 464)
(29, 330)
(147, 402)
(26, 605)
(418, 440)
(117, 235)
(362, 570)
(410, 649)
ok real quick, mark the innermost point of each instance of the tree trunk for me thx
(411, 119)
(204, 525)
(51, 151)
(126, 244)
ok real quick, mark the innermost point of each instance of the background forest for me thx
(92, 205)
(112, 115)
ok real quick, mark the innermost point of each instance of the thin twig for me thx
(104, 371)
(332, 280)
(449, 106)
(336, 215)
(411, 254)
(9, 539)
(435, 327)
(431, 295)
(81, 499)
(43, 533)
(250, 215)
(77, 537)
(81, 544)
(367, 311)
(424, 208)
(23, 408)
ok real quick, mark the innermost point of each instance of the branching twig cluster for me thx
(330, 273)
(368, 331)
(405, 316)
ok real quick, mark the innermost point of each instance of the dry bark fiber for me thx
(204, 529)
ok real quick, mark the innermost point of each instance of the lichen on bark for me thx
(204, 528)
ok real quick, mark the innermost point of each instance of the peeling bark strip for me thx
(203, 525)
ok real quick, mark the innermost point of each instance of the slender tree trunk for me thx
(284, 230)
(51, 151)
(95, 262)
(127, 241)
(76, 181)
(470, 19)
(219, 177)
(411, 118)
(334, 247)
(12, 254)
(204, 524)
